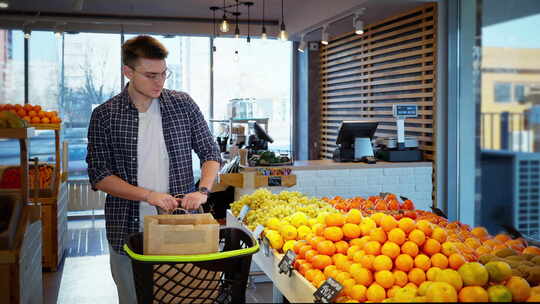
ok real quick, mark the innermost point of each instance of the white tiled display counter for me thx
(327, 178)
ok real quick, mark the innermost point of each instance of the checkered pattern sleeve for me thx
(99, 149)
(202, 139)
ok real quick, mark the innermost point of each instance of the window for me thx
(503, 92)
(519, 92)
(260, 72)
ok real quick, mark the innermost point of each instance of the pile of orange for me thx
(373, 257)
(32, 113)
(373, 203)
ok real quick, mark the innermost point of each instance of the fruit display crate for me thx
(295, 288)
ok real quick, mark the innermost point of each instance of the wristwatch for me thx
(204, 190)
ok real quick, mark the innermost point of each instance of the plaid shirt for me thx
(112, 150)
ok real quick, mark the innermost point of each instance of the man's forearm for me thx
(116, 186)
(209, 172)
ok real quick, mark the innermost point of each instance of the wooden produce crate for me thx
(295, 288)
(54, 218)
(20, 267)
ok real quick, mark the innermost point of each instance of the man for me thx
(139, 152)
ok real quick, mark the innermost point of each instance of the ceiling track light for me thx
(282, 31)
(302, 45)
(358, 24)
(325, 37)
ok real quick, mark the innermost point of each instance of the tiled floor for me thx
(85, 277)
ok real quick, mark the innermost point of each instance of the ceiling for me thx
(193, 17)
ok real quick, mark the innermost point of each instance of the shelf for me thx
(47, 126)
(17, 133)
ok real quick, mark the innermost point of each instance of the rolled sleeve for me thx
(203, 142)
(99, 151)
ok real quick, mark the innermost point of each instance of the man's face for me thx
(147, 76)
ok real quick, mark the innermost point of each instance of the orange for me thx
(32, 113)
(483, 250)
(502, 237)
(407, 224)
(441, 292)
(17, 107)
(404, 262)
(27, 118)
(310, 274)
(45, 120)
(410, 248)
(449, 248)
(377, 217)
(417, 276)
(344, 265)
(367, 261)
(397, 236)
(354, 216)
(318, 280)
(432, 273)
(439, 260)
(326, 247)
(372, 247)
(473, 242)
(314, 241)
(320, 261)
(456, 260)
(439, 234)
(401, 278)
(36, 119)
(360, 242)
(302, 251)
(532, 250)
(41, 114)
(480, 232)
(385, 278)
(55, 119)
(351, 251)
(473, 294)
(28, 107)
(333, 234)
(375, 293)
(335, 219)
(357, 257)
(519, 287)
(339, 257)
(431, 246)
(422, 261)
(330, 271)
(382, 262)
(388, 223)
(37, 108)
(516, 244)
(298, 262)
(318, 229)
(347, 286)
(341, 247)
(425, 226)
(358, 293)
(390, 249)
(390, 293)
(363, 276)
(418, 236)
(351, 231)
(378, 235)
(367, 225)
(21, 113)
(304, 268)
(310, 254)
(342, 276)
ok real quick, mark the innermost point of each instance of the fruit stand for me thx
(382, 249)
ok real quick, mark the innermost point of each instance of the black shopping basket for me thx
(203, 278)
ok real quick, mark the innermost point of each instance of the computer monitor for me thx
(349, 130)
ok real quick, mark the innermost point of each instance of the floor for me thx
(84, 276)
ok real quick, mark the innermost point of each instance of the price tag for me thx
(403, 198)
(266, 246)
(383, 194)
(257, 232)
(274, 181)
(328, 291)
(286, 264)
(243, 213)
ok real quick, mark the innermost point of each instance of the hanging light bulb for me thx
(224, 26)
(302, 46)
(27, 33)
(248, 4)
(236, 29)
(237, 32)
(264, 36)
(325, 36)
(282, 32)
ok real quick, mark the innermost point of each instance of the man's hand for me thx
(193, 200)
(163, 200)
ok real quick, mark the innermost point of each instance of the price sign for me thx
(404, 110)
(266, 246)
(243, 212)
(257, 232)
(403, 198)
(328, 291)
(274, 181)
(286, 264)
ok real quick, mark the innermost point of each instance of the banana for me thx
(14, 121)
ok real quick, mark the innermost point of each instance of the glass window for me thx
(503, 92)
(259, 74)
(509, 154)
(91, 76)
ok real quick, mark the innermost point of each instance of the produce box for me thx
(180, 234)
(10, 177)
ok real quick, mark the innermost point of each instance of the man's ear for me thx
(128, 72)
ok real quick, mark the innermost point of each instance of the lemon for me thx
(498, 271)
(272, 223)
(288, 245)
(288, 232)
(299, 219)
(303, 231)
(276, 241)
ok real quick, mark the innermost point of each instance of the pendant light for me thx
(248, 4)
(282, 32)
(214, 32)
(325, 36)
(224, 27)
(358, 24)
(302, 46)
(264, 36)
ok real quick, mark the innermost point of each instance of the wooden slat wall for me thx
(394, 61)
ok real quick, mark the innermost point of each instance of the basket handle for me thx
(179, 197)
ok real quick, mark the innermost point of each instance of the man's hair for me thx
(142, 46)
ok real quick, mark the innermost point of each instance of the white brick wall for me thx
(414, 183)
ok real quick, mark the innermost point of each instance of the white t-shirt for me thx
(153, 157)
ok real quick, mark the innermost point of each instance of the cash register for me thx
(354, 142)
